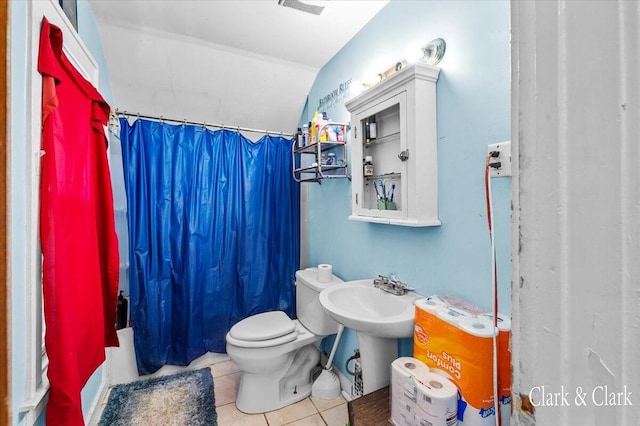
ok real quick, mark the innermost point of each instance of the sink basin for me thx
(379, 320)
(367, 309)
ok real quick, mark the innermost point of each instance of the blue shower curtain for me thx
(213, 235)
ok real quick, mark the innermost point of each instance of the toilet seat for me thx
(263, 330)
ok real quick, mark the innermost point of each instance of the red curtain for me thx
(77, 232)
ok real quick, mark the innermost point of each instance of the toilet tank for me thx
(310, 312)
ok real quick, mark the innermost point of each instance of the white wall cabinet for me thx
(403, 187)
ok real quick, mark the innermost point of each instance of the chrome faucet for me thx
(391, 285)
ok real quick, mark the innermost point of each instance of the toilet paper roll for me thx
(504, 322)
(402, 411)
(453, 315)
(477, 326)
(325, 273)
(431, 304)
(402, 418)
(403, 371)
(405, 368)
(406, 372)
(437, 402)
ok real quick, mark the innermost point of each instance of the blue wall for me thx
(473, 111)
(19, 28)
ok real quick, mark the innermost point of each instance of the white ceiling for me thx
(274, 53)
(257, 26)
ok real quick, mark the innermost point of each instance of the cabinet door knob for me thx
(404, 155)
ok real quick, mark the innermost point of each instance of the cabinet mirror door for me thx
(380, 141)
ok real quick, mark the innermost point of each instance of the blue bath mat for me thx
(179, 399)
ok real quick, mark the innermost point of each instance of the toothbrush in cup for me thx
(384, 191)
(377, 192)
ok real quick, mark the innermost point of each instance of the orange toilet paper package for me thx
(504, 366)
(456, 340)
(504, 374)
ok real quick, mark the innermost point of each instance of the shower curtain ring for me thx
(184, 123)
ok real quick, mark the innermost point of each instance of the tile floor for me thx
(308, 412)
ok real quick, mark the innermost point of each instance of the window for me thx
(70, 8)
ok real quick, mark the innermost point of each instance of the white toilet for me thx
(276, 354)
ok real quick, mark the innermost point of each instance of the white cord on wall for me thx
(494, 278)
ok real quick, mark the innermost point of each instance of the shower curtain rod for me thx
(161, 118)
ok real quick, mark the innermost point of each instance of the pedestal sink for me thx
(379, 320)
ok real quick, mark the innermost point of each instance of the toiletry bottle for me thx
(373, 128)
(368, 166)
(322, 128)
(331, 158)
(340, 134)
(367, 137)
(314, 128)
(305, 135)
(299, 141)
(121, 312)
(331, 134)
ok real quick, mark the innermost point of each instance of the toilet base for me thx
(259, 393)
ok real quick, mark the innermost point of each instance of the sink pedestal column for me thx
(376, 356)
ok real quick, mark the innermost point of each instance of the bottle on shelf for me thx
(340, 134)
(299, 139)
(367, 136)
(314, 128)
(373, 128)
(368, 166)
(305, 135)
(370, 129)
(322, 127)
(332, 135)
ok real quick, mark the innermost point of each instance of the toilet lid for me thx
(261, 344)
(264, 326)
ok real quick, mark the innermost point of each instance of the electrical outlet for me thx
(504, 159)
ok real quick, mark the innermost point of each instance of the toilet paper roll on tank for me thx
(325, 272)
